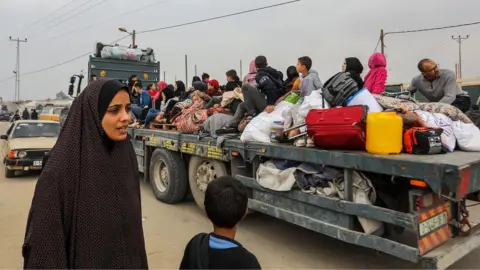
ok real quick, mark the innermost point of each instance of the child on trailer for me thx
(226, 202)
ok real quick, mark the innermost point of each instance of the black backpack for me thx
(339, 88)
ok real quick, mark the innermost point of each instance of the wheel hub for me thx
(205, 174)
(161, 176)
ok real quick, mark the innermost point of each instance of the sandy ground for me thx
(169, 227)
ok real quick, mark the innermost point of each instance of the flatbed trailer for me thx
(178, 164)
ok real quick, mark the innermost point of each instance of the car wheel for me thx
(9, 173)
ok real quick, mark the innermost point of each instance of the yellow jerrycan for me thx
(384, 133)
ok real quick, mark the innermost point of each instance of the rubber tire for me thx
(177, 176)
(9, 173)
(195, 162)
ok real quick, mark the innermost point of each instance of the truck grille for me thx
(36, 154)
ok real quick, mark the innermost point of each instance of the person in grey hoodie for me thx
(310, 79)
(310, 82)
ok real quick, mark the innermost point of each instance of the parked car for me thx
(27, 142)
(5, 116)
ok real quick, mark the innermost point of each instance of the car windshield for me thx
(29, 130)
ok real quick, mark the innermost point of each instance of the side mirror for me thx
(70, 90)
(72, 80)
(3, 137)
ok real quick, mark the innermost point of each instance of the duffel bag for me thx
(423, 141)
(341, 128)
(339, 88)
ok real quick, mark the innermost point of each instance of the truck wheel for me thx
(202, 171)
(168, 176)
(9, 173)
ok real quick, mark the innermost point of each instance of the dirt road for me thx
(169, 227)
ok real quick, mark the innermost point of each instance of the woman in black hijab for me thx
(292, 76)
(355, 68)
(86, 209)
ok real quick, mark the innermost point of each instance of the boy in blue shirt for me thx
(226, 204)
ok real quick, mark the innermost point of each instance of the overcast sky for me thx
(326, 30)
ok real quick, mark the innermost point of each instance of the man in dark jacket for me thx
(269, 82)
(25, 114)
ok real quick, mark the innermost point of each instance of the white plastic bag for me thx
(438, 120)
(313, 101)
(268, 176)
(364, 97)
(258, 130)
(468, 136)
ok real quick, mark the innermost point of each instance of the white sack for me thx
(468, 136)
(438, 120)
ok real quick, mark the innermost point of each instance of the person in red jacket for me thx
(377, 76)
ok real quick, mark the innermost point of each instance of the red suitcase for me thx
(340, 128)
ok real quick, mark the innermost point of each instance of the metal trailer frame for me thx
(331, 216)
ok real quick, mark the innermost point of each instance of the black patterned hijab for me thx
(86, 209)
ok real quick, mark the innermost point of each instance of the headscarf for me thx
(196, 79)
(292, 75)
(169, 92)
(86, 210)
(250, 77)
(161, 85)
(200, 86)
(377, 75)
(355, 68)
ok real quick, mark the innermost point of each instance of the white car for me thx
(27, 142)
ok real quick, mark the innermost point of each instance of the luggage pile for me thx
(124, 53)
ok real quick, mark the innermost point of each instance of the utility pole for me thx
(186, 70)
(382, 42)
(17, 69)
(459, 39)
(241, 71)
(195, 70)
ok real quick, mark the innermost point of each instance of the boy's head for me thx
(304, 64)
(261, 62)
(205, 77)
(226, 202)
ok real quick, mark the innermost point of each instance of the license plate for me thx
(433, 228)
(433, 224)
(37, 163)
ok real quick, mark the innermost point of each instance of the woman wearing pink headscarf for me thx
(161, 86)
(377, 76)
(250, 77)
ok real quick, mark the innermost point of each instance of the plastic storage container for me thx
(384, 133)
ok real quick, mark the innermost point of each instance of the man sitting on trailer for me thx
(226, 204)
(439, 85)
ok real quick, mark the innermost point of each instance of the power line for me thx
(76, 14)
(68, 61)
(169, 27)
(63, 15)
(376, 47)
(6, 79)
(219, 17)
(432, 29)
(53, 12)
(109, 19)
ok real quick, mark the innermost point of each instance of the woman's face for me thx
(344, 66)
(116, 119)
